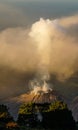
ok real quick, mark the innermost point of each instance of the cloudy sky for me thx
(15, 13)
(17, 19)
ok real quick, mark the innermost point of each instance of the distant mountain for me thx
(74, 108)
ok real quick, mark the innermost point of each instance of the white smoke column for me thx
(43, 32)
(56, 48)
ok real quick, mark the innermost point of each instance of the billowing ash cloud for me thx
(49, 46)
(17, 50)
(56, 42)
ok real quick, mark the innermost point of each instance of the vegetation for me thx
(5, 116)
(57, 106)
(55, 116)
(26, 108)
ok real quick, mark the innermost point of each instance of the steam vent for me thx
(43, 94)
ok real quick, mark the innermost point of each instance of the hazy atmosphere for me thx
(38, 39)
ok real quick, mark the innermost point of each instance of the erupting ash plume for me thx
(50, 38)
(57, 50)
(42, 33)
(48, 47)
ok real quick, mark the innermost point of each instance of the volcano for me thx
(39, 97)
(39, 94)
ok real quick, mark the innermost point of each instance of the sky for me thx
(15, 13)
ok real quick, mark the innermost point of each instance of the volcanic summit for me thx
(40, 94)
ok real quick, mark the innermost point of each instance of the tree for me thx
(57, 105)
(58, 116)
(54, 115)
(5, 116)
(25, 115)
(26, 108)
